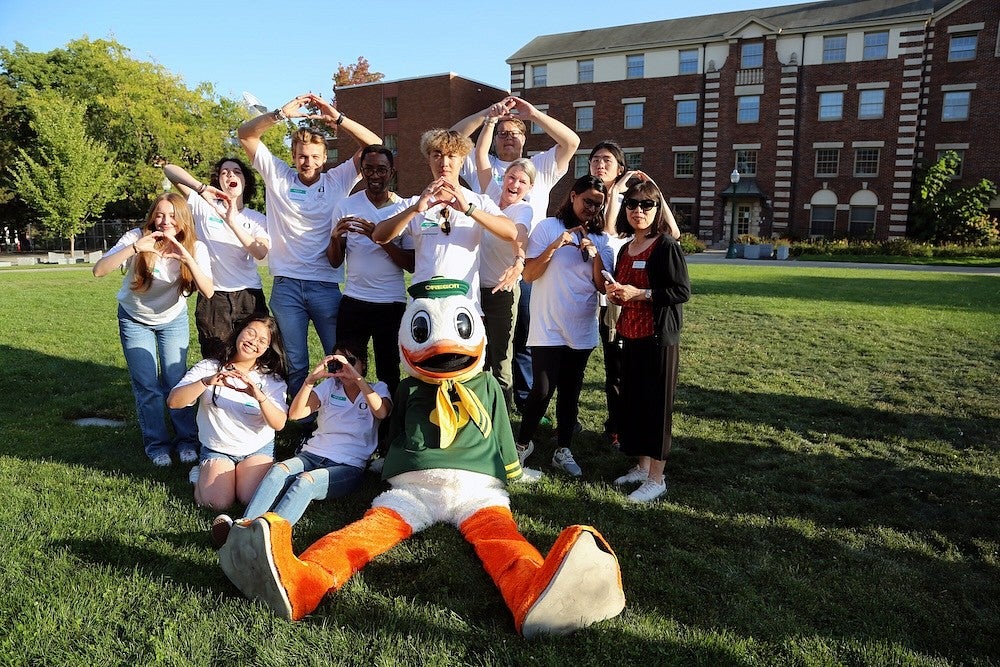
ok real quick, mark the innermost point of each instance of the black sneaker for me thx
(219, 532)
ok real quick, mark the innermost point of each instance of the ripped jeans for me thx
(289, 486)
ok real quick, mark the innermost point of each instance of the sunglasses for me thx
(645, 204)
(445, 224)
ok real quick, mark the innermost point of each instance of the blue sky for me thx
(277, 50)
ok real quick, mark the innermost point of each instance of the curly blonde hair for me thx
(446, 141)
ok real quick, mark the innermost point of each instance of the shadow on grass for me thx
(895, 291)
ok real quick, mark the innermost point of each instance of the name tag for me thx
(429, 226)
(297, 194)
(641, 264)
(335, 397)
(216, 220)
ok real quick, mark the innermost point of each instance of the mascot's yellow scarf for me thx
(456, 407)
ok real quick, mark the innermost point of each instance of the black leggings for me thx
(554, 368)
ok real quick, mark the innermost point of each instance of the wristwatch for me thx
(648, 294)
(279, 115)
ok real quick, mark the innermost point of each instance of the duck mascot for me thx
(451, 455)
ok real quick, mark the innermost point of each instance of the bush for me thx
(691, 244)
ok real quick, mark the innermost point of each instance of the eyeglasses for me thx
(350, 358)
(645, 204)
(445, 225)
(508, 134)
(375, 171)
(602, 159)
(592, 204)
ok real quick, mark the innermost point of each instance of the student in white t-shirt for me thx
(300, 203)
(446, 220)
(332, 462)
(375, 292)
(241, 403)
(237, 239)
(507, 121)
(164, 262)
(566, 255)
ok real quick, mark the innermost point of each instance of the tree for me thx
(136, 109)
(942, 213)
(71, 177)
(359, 72)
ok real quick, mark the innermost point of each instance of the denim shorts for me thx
(209, 454)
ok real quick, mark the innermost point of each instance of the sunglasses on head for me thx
(645, 204)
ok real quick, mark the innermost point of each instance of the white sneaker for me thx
(161, 460)
(529, 476)
(563, 460)
(648, 492)
(194, 474)
(636, 474)
(525, 452)
(188, 456)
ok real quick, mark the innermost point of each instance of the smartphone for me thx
(607, 275)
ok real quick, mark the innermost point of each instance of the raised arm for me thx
(334, 118)
(251, 131)
(481, 153)
(470, 124)
(566, 139)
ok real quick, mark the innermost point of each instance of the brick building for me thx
(400, 111)
(824, 108)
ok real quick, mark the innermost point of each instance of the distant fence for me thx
(100, 237)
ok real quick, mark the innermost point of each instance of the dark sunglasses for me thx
(644, 204)
(445, 224)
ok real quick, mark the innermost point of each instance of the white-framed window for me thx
(962, 47)
(961, 160)
(827, 161)
(585, 71)
(871, 103)
(748, 109)
(861, 221)
(956, 105)
(584, 119)
(635, 66)
(581, 165)
(835, 48)
(684, 164)
(633, 115)
(866, 161)
(746, 162)
(539, 75)
(752, 55)
(687, 112)
(822, 220)
(633, 160)
(876, 45)
(688, 61)
(831, 105)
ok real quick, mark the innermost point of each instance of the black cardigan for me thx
(668, 280)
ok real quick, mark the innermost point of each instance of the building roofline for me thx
(451, 75)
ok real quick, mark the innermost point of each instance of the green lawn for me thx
(833, 499)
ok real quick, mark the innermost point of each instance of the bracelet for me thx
(279, 115)
(201, 188)
(468, 211)
(203, 381)
(134, 249)
(519, 257)
(341, 119)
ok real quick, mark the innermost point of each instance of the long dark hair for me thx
(249, 180)
(568, 216)
(272, 362)
(642, 190)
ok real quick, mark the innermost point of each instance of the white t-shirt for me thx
(564, 299)
(299, 216)
(453, 255)
(548, 174)
(495, 254)
(233, 422)
(163, 301)
(233, 267)
(372, 276)
(345, 432)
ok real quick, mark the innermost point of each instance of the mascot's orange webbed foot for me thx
(257, 557)
(578, 584)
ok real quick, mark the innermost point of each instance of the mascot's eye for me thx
(420, 327)
(463, 324)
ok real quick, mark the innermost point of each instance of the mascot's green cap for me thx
(439, 287)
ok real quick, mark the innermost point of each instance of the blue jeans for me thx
(522, 355)
(295, 483)
(157, 360)
(294, 303)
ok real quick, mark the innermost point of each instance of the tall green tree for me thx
(943, 213)
(137, 109)
(68, 178)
